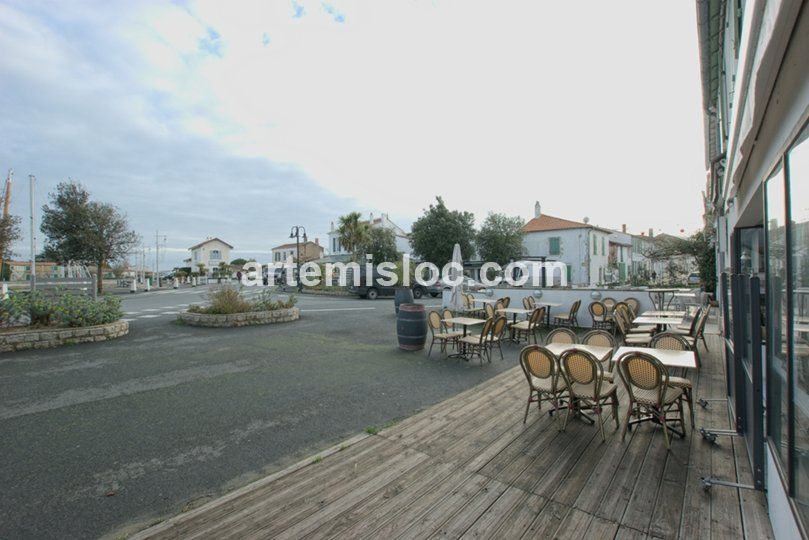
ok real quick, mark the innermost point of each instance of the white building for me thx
(402, 238)
(619, 257)
(581, 246)
(210, 253)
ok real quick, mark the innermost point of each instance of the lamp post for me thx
(295, 233)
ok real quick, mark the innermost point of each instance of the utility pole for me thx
(32, 180)
(157, 256)
(6, 203)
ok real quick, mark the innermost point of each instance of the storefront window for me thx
(798, 174)
(777, 421)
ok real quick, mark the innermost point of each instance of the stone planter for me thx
(46, 338)
(240, 319)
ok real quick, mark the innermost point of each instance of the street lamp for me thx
(295, 233)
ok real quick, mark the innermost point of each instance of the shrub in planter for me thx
(227, 300)
(84, 311)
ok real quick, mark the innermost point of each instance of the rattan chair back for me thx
(581, 367)
(506, 301)
(598, 311)
(599, 338)
(669, 342)
(434, 320)
(634, 305)
(538, 362)
(561, 335)
(609, 303)
(489, 309)
(644, 376)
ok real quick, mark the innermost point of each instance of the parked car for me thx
(694, 279)
(374, 288)
(468, 284)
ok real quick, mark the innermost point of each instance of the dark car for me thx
(374, 288)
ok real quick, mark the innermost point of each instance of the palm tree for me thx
(353, 232)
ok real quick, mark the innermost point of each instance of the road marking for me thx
(341, 309)
(151, 309)
(170, 313)
(127, 320)
(148, 316)
(131, 312)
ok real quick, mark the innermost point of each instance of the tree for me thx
(81, 230)
(201, 270)
(9, 233)
(380, 243)
(701, 245)
(500, 239)
(238, 262)
(436, 232)
(353, 232)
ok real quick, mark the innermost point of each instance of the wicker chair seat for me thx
(637, 339)
(448, 335)
(588, 390)
(649, 397)
(546, 385)
(680, 382)
(472, 339)
(522, 325)
(643, 329)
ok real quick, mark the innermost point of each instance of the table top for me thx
(686, 294)
(549, 304)
(670, 359)
(656, 320)
(662, 290)
(464, 321)
(599, 352)
(676, 314)
(485, 300)
(516, 311)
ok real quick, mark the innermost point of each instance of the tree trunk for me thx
(99, 278)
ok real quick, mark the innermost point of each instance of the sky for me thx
(241, 119)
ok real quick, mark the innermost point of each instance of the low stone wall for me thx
(45, 338)
(240, 319)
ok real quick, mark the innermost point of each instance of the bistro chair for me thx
(561, 335)
(489, 310)
(529, 327)
(601, 338)
(631, 340)
(495, 337)
(531, 303)
(609, 303)
(544, 381)
(600, 315)
(447, 314)
(634, 305)
(624, 312)
(672, 342)
(697, 330)
(588, 389)
(570, 320)
(506, 301)
(651, 398)
(478, 344)
(440, 333)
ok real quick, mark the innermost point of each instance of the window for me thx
(553, 247)
(776, 322)
(621, 251)
(595, 246)
(603, 251)
(797, 162)
(215, 254)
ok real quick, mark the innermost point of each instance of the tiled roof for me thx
(210, 240)
(550, 223)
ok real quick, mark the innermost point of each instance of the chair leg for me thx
(567, 413)
(600, 423)
(689, 399)
(662, 416)
(626, 420)
(500, 348)
(702, 336)
(527, 406)
(615, 410)
(431, 348)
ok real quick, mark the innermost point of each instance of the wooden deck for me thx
(469, 467)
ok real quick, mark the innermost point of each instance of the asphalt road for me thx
(105, 438)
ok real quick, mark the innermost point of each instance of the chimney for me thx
(317, 241)
(332, 227)
(651, 232)
(537, 209)
(623, 228)
(371, 219)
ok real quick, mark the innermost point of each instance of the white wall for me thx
(572, 247)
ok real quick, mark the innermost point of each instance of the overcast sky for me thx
(241, 119)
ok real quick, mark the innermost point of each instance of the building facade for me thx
(310, 251)
(582, 247)
(209, 253)
(755, 81)
(401, 237)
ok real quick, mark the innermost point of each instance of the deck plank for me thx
(469, 467)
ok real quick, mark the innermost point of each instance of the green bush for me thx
(64, 310)
(227, 300)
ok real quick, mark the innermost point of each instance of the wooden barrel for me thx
(403, 295)
(411, 327)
